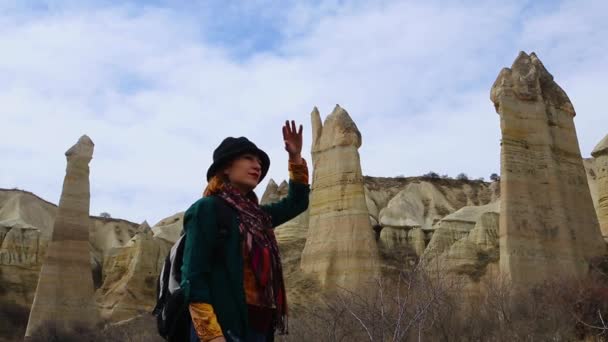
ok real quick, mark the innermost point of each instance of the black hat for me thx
(231, 148)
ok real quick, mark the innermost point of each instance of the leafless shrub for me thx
(388, 309)
(425, 306)
(138, 329)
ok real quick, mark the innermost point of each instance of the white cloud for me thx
(571, 42)
(157, 94)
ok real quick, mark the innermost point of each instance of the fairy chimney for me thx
(340, 248)
(64, 294)
(548, 225)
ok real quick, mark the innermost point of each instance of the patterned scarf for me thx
(256, 227)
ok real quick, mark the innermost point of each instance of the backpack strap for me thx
(162, 285)
(179, 259)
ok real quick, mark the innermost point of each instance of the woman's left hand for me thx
(293, 140)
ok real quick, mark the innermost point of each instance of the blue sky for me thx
(158, 84)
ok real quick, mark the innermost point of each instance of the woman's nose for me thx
(257, 165)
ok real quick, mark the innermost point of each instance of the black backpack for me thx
(172, 315)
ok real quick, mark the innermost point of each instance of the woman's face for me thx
(244, 172)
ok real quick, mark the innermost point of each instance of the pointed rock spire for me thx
(340, 248)
(270, 194)
(64, 295)
(601, 148)
(144, 228)
(317, 127)
(548, 224)
(283, 188)
(529, 80)
(82, 149)
(339, 129)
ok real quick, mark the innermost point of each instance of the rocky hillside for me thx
(414, 217)
(26, 225)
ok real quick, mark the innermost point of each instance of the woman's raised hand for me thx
(293, 141)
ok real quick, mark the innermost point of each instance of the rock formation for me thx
(600, 153)
(406, 210)
(274, 192)
(592, 179)
(122, 264)
(446, 222)
(548, 226)
(271, 193)
(340, 246)
(64, 295)
(170, 228)
(474, 258)
(124, 258)
(129, 276)
(26, 227)
(464, 245)
(456, 226)
(408, 215)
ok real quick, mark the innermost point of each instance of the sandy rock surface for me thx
(340, 246)
(548, 222)
(600, 154)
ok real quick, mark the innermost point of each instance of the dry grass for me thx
(139, 329)
(417, 307)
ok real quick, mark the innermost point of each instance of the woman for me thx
(240, 296)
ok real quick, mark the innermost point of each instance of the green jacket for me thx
(220, 282)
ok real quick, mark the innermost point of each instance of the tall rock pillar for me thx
(600, 153)
(340, 248)
(64, 295)
(548, 226)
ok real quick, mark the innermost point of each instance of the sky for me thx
(158, 84)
